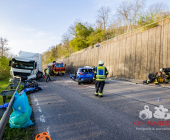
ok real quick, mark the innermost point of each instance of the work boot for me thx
(166, 82)
(156, 82)
(95, 93)
(100, 94)
(148, 81)
(144, 82)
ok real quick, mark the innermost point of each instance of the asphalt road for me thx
(68, 111)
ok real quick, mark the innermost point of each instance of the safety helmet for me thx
(161, 69)
(100, 63)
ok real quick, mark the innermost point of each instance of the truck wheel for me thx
(62, 73)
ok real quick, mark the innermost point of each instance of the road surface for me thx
(68, 111)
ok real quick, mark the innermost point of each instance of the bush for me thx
(67, 55)
(4, 68)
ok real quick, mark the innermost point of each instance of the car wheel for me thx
(79, 82)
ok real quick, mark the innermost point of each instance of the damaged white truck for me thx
(26, 65)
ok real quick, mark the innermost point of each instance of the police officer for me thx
(167, 74)
(99, 77)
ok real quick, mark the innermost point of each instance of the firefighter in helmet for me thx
(153, 77)
(99, 77)
(167, 74)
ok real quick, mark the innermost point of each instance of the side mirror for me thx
(65, 64)
(35, 65)
(10, 63)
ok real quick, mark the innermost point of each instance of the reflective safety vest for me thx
(100, 74)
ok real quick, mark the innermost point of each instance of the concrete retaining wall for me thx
(128, 56)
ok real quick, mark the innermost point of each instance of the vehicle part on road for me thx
(30, 86)
(4, 105)
(43, 136)
(73, 77)
(159, 99)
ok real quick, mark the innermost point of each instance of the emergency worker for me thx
(48, 75)
(152, 77)
(99, 76)
(167, 74)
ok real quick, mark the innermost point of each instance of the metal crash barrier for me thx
(5, 112)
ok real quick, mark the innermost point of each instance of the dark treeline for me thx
(129, 15)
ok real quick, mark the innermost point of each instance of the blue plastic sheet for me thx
(4, 105)
(26, 90)
(30, 90)
(20, 117)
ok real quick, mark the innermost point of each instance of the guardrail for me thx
(5, 113)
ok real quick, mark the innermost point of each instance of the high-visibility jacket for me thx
(153, 74)
(167, 71)
(100, 73)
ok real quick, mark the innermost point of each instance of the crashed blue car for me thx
(83, 75)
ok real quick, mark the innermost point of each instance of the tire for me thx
(39, 75)
(79, 83)
(62, 73)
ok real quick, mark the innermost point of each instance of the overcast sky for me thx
(36, 25)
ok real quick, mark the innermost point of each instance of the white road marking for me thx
(48, 131)
(39, 109)
(42, 119)
(36, 101)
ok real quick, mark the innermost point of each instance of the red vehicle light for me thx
(81, 73)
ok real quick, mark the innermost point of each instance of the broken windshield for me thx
(22, 65)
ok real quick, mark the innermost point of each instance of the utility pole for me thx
(3, 42)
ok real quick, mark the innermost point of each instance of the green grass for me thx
(3, 85)
(27, 133)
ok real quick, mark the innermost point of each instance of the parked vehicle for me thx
(58, 68)
(85, 74)
(26, 65)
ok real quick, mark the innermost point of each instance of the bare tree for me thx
(3, 42)
(158, 10)
(128, 10)
(103, 17)
(99, 24)
(65, 41)
(72, 28)
(158, 7)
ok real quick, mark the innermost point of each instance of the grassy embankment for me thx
(27, 133)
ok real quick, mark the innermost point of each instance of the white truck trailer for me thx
(26, 65)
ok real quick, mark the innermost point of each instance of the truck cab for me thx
(26, 65)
